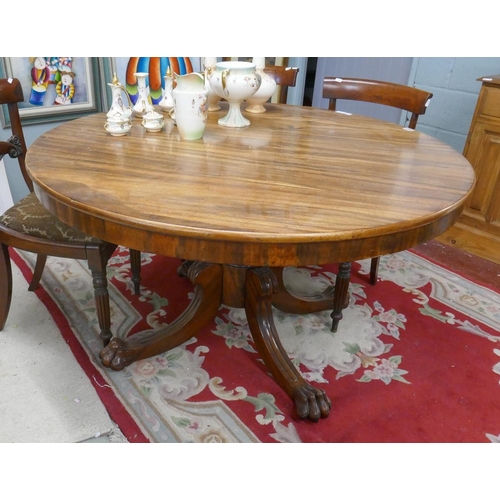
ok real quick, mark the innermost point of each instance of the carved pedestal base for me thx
(257, 290)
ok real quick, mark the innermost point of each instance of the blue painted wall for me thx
(453, 81)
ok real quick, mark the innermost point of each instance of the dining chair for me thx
(406, 98)
(29, 226)
(284, 77)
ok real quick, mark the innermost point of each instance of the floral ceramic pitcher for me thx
(190, 105)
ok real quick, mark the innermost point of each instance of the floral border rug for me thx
(416, 358)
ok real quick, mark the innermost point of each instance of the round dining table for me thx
(299, 186)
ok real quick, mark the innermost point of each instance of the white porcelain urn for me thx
(266, 90)
(234, 81)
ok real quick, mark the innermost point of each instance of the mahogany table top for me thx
(299, 186)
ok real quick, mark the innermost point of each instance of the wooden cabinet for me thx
(478, 229)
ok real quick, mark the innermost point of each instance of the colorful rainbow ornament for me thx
(156, 67)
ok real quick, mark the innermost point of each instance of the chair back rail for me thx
(11, 93)
(387, 93)
(284, 77)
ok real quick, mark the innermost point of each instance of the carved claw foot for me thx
(311, 403)
(116, 355)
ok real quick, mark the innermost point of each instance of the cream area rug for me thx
(45, 396)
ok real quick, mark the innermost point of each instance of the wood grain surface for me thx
(298, 186)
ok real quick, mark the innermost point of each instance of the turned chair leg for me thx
(340, 294)
(101, 295)
(374, 270)
(5, 284)
(97, 266)
(135, 266)
(41, 259)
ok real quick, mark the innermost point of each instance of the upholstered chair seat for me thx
(29, 216)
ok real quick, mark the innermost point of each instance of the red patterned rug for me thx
(416, 357)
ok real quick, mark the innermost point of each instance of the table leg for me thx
(207, 279)
(310, 402)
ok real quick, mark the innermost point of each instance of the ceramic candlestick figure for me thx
(167, 102)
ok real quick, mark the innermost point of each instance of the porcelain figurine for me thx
(167, 102)
(118, 108)
(190, 105)
(234, 81)
(143, 104)
(266, 90)
(118, 118)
